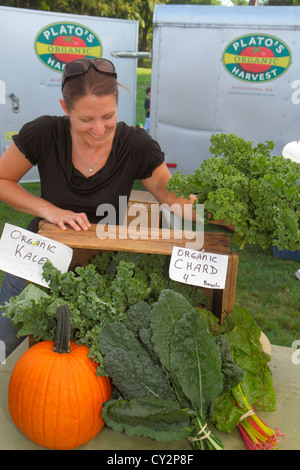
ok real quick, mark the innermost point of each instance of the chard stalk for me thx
(254, 432)
(204, 439)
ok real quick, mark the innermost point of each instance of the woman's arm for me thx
(157, 183)
(13, 166)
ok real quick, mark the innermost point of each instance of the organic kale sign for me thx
(24, 253)
(198, 268)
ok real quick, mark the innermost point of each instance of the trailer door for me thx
(34, 48)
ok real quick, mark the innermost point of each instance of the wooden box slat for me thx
(123, 238)
(86, 244)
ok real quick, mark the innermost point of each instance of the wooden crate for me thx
(86, 244)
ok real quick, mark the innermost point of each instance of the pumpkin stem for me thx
(63, 331)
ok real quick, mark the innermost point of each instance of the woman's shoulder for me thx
(49, 120)
(136, 141)
(46, 123)
(39, 134)
(135, 135)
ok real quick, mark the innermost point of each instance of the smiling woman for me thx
(86, 158)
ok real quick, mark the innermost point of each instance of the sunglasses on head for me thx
(81, 66)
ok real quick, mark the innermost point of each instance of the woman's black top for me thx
(46, 142)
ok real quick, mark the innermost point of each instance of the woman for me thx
(85, 159)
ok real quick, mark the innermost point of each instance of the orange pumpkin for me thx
(55, 397)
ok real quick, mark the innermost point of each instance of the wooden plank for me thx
(226, 296)
(142, 196)
(122, 238)
(87, 244)
(146, 214)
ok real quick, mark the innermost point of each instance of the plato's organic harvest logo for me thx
(256, 58)
(60, 43)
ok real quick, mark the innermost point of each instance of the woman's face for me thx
(93, 119)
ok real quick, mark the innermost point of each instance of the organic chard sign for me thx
(60, 43)
(198, 268)
(256, 58)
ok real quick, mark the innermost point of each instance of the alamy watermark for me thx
(296, 353)
(2, 352)
(142, 221)
(296, 93)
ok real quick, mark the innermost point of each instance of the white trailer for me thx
(219, 69)
(34, 48)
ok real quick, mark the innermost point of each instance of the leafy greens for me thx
(174, 368)
(180, 347)
(97, 294)
(244, 185)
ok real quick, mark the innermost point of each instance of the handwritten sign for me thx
(198, 268)
(23, 253)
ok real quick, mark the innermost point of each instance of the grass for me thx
(266, 286)
(144, 81)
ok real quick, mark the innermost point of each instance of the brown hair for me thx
(90, 83)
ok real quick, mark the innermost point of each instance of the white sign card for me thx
(198, 268)
(23, 253)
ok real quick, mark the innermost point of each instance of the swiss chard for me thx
(243, 336)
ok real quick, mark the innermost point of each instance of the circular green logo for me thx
(256, 58)
(60, 43)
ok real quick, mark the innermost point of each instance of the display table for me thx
(286, 378)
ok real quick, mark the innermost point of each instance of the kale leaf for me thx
(162, 420)
(187, 350)
(134, 277)
(244, 185)
(188, 363)
(129, 366)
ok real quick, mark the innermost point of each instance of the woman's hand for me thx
(13, 166)
(157, 185)
(64, 218)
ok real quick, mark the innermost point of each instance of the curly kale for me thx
(141, 277)
(97, 294)
(246, 186)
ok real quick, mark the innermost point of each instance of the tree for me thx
(283, 3)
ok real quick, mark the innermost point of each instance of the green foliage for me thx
(246, 186)
(134, 372)
(144, 81)
(283, 3)
(140, 276)
(97, 294)
(205, 364)
(186, 356)
(83, 291)
(193, 356)
(28, 313)
(172, 365)
(243, 336)
(162, 420)
(14, 217)
(138, 10)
